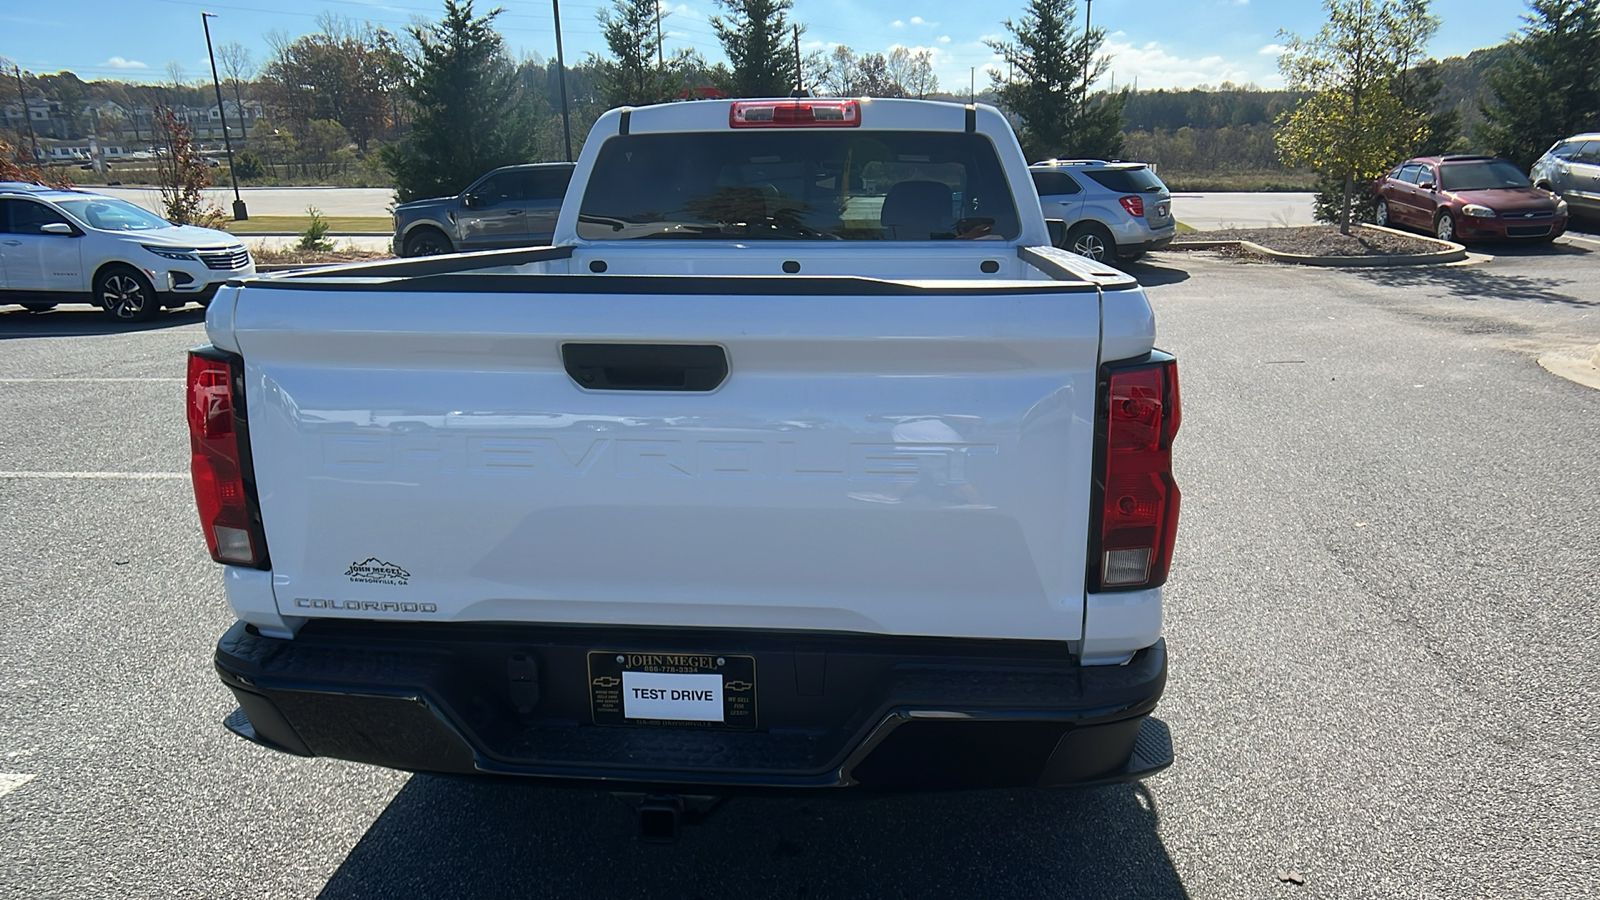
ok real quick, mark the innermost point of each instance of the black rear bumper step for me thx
(835, 710)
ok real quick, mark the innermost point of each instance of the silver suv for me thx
(1113, 210)
(1571, 168)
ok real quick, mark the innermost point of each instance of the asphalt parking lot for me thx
(1382, 625)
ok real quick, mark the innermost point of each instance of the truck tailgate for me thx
(882, 457)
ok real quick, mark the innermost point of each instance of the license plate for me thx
(705, 690)
(1164, 210)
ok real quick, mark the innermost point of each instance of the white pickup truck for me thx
(802, 459)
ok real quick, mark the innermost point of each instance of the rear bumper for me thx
(1144, 244)
(833, 710)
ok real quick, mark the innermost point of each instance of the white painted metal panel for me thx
(905, 464)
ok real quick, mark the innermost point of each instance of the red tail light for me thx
(795, 114)
(233, 533)
(1133, 204)
(1139, 500)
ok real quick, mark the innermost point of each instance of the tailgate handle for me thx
(646, 367)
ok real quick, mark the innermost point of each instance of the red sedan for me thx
(1469, 198)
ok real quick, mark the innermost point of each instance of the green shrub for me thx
(316, 234)
(248, 166)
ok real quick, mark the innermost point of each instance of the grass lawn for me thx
(1184, 226)
(298, 224)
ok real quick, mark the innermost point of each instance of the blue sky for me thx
(1158, 43)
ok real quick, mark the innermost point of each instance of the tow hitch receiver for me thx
(661, 817)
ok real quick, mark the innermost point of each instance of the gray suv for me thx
(1572, 169)
(1113, 210)
(513, 206)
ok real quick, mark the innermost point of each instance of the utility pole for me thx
(1088, 64)
(661, 64)
(240, 214)
(799, 75)
(972, 84)
(561, 77)
(27, 116)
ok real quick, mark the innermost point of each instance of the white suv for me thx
(73, 246)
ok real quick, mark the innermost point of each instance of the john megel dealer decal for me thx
(376, 571)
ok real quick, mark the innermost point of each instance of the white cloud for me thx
(897, 24)
(117, 62)
(681, 10)
(1153, 67)
(1272, 50)
(918, 20)
(944, 39)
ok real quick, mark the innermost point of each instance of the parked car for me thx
(512, 206)
(74, 246)
(1571, 168)
(1113, 210)
(1469, 198)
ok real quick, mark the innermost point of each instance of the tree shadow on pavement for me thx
(85, 321)
(1478, 282)
(1510, 250)
(460, 838)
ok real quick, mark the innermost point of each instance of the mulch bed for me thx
(1319, 240)
(297, 257)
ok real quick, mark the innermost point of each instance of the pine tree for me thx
(756, 36)
(636, 74)
(471, 111)
(1053, 66)
(1549, 87)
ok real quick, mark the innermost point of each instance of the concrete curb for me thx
(1579, 371)
(1449, 252)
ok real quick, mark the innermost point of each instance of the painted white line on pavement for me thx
(87, 380)
(10, 782)
(137, 476)
(176, 329)
(1583, 240)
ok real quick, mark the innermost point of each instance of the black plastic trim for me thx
(428, 697)
(665, 285)
(972, 119)
(646, 367)
(624, 121)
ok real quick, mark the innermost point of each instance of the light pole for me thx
(561, 79)
(240, 214)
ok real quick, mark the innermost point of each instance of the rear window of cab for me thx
(798, 185)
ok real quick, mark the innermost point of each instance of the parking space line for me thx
(1585, 240)
(87, 380)
(23, 335)
(10, 782)
(134, 476)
